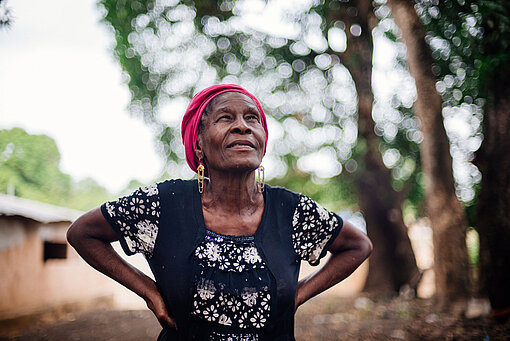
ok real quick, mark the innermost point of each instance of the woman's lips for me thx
(240, 147)
(241, 143)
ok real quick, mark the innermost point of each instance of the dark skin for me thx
(231, 146)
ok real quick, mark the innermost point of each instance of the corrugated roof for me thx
(35, 210)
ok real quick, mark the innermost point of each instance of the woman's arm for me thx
(350, 248)
(91, 236)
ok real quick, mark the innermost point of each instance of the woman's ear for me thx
(198, 151)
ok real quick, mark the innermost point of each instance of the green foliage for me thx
(335, 194)
(29, 168)
(473, 246)
(87, 194)
(30, 165)
(454, 29)
(470, 42)
(131, 187)
(6, 16)
(171, 49)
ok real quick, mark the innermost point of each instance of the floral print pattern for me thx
(227, 291)
(231, 337)
(217, 251)
(137, 218)
(313, 228)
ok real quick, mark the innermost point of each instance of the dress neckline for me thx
(220, 237)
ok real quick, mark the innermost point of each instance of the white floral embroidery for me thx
(206, 290)
(155, 210)
(212, 251)
(236, 303)
(110, 209)
(251, 255)
(228, 256)
(225, 320)
(215, 336)
(243, 320)
(323, 213)
(137, 205)
(147, 232)
(258, 320)
(313, 228)
(250, 299)
(150, 190)
(136, 217)
(210, 313)
(200, 252)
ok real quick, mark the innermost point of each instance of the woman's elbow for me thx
(74, 234)
(91, 226)
(366, 246)
(80, 229)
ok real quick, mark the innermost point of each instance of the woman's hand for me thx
(350, 248)
(156, 304)
(91, 236)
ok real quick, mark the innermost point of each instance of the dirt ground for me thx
(323, 318)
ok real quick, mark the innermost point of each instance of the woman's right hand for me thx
(156, 304)
(91, 236)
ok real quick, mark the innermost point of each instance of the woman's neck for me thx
(231, 192)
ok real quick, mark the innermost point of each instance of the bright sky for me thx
(58, 77)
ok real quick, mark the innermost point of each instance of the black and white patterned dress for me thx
(231, 282)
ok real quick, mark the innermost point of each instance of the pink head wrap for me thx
(191, 119)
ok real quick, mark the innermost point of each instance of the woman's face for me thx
(233, 138)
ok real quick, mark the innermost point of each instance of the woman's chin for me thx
(242, 167)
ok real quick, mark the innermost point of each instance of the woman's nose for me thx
(240, 126)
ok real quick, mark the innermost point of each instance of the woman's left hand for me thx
(157, 305)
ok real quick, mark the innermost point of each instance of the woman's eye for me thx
(224, 117)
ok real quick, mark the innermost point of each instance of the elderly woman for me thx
(226, 252)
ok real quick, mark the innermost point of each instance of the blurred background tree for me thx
(493, 158)
(29, 168)
(447, 216)
(6, 16)
(470, 41)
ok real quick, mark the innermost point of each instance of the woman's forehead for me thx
(231, 98)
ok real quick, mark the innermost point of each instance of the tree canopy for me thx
(170, 49)
(29, 168)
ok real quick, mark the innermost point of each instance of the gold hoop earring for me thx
(201, 176)
(260, 179)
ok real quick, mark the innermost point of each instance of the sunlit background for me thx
(59, 78)
(94, 124)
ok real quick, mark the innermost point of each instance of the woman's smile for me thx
(241, 145)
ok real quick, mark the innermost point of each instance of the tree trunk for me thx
(446, 213)
(392, 264)
(493, 218)
(493, 161)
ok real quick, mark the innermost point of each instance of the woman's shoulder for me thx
(175, 186)
(283, 195)
(278, 190)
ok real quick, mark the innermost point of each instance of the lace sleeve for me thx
(135, 218)
(314, 228)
